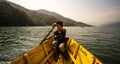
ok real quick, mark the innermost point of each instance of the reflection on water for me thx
(103, 42)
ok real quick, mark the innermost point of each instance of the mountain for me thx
(10, 16)
(15, 15)
(67, 21)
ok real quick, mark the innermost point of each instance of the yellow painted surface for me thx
(44, 54)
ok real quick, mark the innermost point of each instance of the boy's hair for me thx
(59, 23)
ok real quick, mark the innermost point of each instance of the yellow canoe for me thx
(43, 54)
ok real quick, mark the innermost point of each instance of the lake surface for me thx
(103, 42)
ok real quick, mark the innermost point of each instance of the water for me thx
(103, 42)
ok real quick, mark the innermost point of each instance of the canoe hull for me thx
(80, 55)
(44, 54)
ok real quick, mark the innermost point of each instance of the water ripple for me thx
(103, 42)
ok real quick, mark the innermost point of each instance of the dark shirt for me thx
(60, 37)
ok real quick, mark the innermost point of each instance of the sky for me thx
(94, 12)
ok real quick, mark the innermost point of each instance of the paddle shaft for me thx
(47, 35)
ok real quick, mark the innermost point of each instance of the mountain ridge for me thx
(60, 17)
(33, 17)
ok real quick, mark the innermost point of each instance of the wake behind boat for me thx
(44, 54)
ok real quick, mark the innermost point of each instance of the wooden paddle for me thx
(47, 35)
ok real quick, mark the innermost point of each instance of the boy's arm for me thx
(49, 37)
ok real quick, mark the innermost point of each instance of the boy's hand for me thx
(54, 24)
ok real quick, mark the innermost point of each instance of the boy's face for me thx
(59, 27)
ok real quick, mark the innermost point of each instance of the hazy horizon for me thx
(94, 12)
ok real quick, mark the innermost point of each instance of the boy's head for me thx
(60, 23)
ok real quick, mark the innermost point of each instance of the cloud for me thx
(105, 17)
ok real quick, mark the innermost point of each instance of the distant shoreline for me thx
(45, 26)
